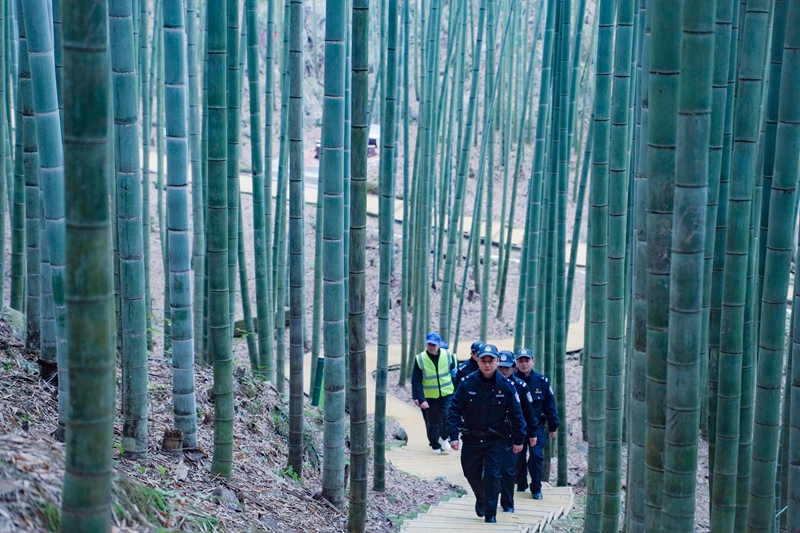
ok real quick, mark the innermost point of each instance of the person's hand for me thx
(532, 441)
(517, 448)
(416, 402)
(552, 434)
(454, 445)
(424, 405)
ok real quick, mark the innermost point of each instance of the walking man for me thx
(508, 468)
(482, 407)
(470, 365)
(544, 406)
(432, 389)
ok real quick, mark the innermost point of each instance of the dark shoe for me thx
(509, 510)
(478, 509)
(522, 488)
(537, 495)
(490, 520)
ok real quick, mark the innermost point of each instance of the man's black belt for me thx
(483, 434)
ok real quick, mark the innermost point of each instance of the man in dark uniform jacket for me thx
(470, 365)
(479, 410)
(506, 366)
(544, 405)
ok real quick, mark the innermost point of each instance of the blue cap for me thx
(524, 352)
(433, 338)
(490, 350)
(506, 359)
(477, 346)
(444, 345)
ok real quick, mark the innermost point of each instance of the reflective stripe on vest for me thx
(436, 382)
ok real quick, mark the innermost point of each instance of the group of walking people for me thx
(496, 409)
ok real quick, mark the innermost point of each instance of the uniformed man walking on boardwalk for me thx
(432, 389)
(508, 468)
(485, 400)
(470, 365)
(544, 405)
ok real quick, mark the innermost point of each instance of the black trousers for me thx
(481, 460)
(508, 472)
(435, 416)
(535, 458)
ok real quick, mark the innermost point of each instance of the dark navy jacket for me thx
(526, 402)
(544, 403)
(464, 370)
(482, 405)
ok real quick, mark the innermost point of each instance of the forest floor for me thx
(165, 492)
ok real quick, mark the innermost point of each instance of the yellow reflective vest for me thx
(436, 382)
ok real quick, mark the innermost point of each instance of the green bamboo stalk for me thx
(489, 132)
(726, 434)
(129, 227)
(316, 319)
(267, 334)
(386, 229)
(786, 416)
(86, 495)
(257, 165)
(598, 240)
(617, 229)
(635, 501)
(160, 177)
(248, 328)
(767, 160)
(715, 314)
(346, 170)
(772, 328)
(181, 312)
(42, 73)
(663, 91)
(359, 433)
(234, 100)
(333, 251)
(562, 311)
(51, 170)
(793, 496)
(405, 280)
(686, 267)
(17, 299)
(576, 225)
(279, 244)
(219, 337)
(577, 52)
(198, 211)
(30, 165)
(296, 238)
(522, 290)
(205, 356)
(145, 90)
(5, 194)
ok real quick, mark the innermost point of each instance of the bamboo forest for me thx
(243, 240)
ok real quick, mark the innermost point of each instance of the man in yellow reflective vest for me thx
(432, 389)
